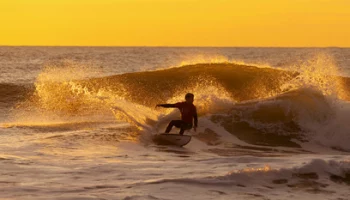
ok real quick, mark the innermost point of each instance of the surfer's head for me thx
(189, 97)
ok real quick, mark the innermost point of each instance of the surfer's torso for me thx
(188, 111)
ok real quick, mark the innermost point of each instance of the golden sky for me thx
(284, 23)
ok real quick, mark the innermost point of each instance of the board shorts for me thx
(181, 124)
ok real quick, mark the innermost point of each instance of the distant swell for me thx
(317, 173)
(10, 94)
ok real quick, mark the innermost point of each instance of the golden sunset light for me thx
(287, 23)
(174, 99)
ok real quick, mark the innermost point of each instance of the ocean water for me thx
(78, 122)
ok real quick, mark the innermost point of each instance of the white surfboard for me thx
(171, 139)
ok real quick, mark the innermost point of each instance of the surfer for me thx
(188, 114)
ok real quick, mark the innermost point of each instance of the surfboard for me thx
(172, 139)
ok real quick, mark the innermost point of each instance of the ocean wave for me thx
(150, 87)
(276, 121)
(10, 94)
(260, 106)
(317, 173)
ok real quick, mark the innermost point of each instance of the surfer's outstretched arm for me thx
(167, 105)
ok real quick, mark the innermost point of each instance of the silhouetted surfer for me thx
(188, 114)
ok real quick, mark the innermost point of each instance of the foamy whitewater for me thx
(78, 122)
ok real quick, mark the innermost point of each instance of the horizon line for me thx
(166, 46)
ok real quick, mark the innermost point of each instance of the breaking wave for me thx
(260, 106)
